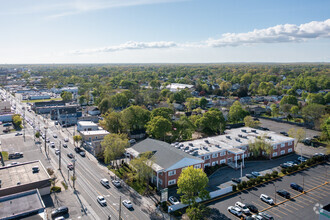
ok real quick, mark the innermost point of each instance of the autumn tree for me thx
(236, 112)
(297, 134)
(260, 145)
(113, 146)
(192, 184)
(250, 122)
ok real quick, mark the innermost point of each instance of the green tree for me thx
(294, 110)
(158, 127)
(184, 128)
(192, 184)
(297, 134)
(291, 92)
(155, 84)
(112, 122)
(236, 112)
(289, 99)
(197, 212)
(327, 98)
(66, 96)
(82, 99)
(253, 88)
(17, 121)
(211, 122)
(120, 100)
(313, 112)
(264, 87)
(113, 146)
(315, 98)
(192, 103)
(249, 122)
(135, 117)
(104, 105)
(274, 110)
(259, 146)
(77, 139)
(162, 111)
(325, 127)
(143, 166)
(203, 102)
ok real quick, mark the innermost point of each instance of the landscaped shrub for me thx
(234, 188)
(50, 171)
(55, 189)
(64, 185)
(267, 176)
(239, 186)
(244, 184)
(250, 183)
(274, 174)
(259, 179)
(284, 170)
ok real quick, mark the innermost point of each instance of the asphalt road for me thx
(304, 206)
(88, 174)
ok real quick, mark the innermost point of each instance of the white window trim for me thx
(275, 154)
(282, 145)
(282, 152)
(172, 182)
(222, 161)
(197, 166)
(275, 147)
(207, 157)
(215, 155)
(172, 173)
(289, 150)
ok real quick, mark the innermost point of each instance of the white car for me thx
(55, 135)
(66, 139)
(116, 183)
(257, 217)
(127, 204)
(173, 200)
(234, 210)
(256, 174)
(242, 207)
(57, 151)
(105, 183)
(266, 199)
(101, 200)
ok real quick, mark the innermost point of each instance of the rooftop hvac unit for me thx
(269, 137)
(217, 145)
(228, 137)
(207, 141)
(253, 130)
(243, 130)
(238, 140)
(191, 144)
(240, 135)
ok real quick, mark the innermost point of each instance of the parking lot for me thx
(301, 206)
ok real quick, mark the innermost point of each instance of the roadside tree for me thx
(236, 112)
(113, 146)
(77, 139)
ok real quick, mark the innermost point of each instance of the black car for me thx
(283, 193)
(77, 149)
(295, 186)
(236, 180)
(250, 176)
(284, 133)
(70, 155)
(252, 208)
(60, 211)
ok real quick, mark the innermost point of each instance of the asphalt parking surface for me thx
(302, 206)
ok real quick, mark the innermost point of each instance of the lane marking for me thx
(291, 205)
(282, 206)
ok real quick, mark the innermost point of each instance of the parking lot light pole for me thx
(303, 184)
(59, 157)
(275, 192)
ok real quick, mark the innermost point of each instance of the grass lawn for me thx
(5, 155)
(42, 100)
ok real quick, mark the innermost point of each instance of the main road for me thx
(88, 173)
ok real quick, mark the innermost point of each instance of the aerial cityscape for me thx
(164, 109)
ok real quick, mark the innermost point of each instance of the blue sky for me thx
(164, 31)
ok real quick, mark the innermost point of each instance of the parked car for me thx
(283, 193)
(60, 211)
(132, 141)
(257, 217)
(101, 200)
(266, 216)
(57, 151)
(252, 208)
(236, 180)
(105, 183)
(18, 134)
(116, 183)
(302, 159)
(56, 122)
(285, 165)
(70, 155)
(235, 211)
(291, 163)
(284, 133)
(256, 174)
(70, 166)
(295, 186)
(47, 140)
(65, 145)
(66, 139)
(307, 141)
(173, 200)
(77, 149)
(55, 135)
(82, 153)
(52, 144)
(15, 155)
(243, 207)
(127, 204)
(250, 176)
(266, 199)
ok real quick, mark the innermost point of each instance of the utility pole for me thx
(34, 132)
(24, 125)
(241, 170)
(119, 207)
(74, 173)
(66, 123)
(46, 140)
(59, 157)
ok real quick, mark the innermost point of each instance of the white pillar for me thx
(157, 180)
(243, 159)
(235, 161)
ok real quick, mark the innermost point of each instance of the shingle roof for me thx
(165, 155)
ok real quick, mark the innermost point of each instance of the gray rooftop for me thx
(21, 204)
(165, 155)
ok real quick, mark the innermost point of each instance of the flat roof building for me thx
(23, 205)
(21, 177)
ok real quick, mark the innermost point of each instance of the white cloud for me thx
(276, 34)
(130, 45)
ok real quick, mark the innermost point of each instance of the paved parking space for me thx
(301, 206)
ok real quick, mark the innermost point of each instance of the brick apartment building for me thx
(230, 148)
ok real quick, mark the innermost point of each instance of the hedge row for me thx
(255, 181)
(309, 162)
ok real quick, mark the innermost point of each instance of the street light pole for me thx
(59, 157)
(74, 173)
(46, 140)
(119, 207)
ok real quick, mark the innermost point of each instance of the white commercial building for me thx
(87, 126)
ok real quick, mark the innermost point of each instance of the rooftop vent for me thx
(243, 130)
(253, 130)
(237, 139)
(191, 144)
(269, 137)
(228, 137)
(217, 145)
(240, 135)
(207, 141)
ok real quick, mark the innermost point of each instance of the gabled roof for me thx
(165, 155)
